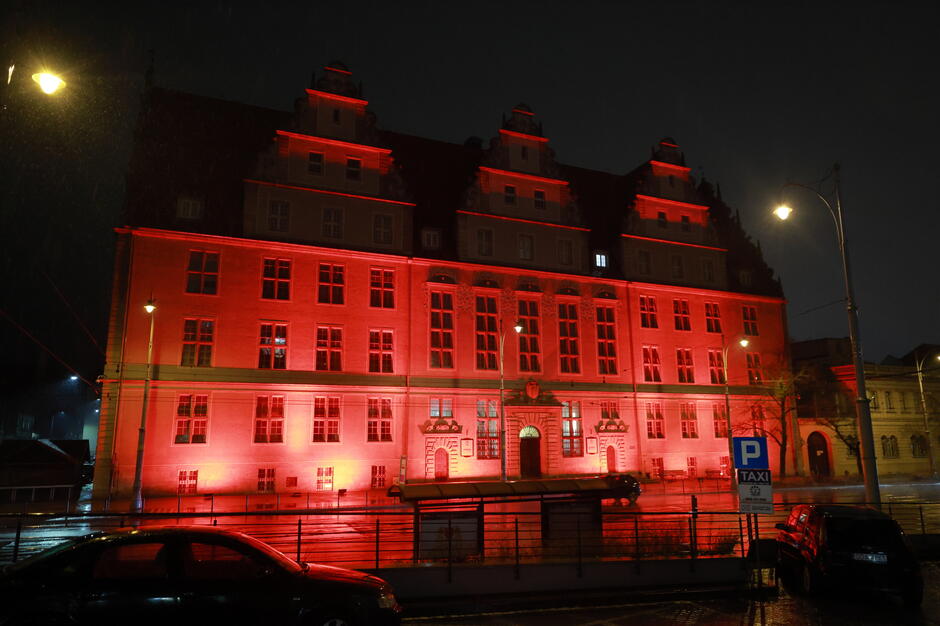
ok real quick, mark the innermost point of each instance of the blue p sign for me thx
(750, 453)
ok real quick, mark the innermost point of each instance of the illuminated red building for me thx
(332, 297)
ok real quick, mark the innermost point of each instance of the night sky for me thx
(755, 93)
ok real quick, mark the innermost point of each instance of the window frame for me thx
(194, 422)
(202, 273)
(276, 279)
(569, 345)
(274, 346)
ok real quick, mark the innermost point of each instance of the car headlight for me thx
(387, 599)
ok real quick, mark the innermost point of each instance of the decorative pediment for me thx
(531, 395)
(441, 425)
(612, 425)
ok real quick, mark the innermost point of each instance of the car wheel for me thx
(335, 619)
(809, 582)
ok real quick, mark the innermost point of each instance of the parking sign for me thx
(750, 453)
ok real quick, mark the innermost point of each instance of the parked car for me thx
(624, 487)
(857, 547)
(186, 575)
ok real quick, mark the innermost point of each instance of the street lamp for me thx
(923, 406)
(724, 364)
(865, 435)
(48, 82)
(502, 405)
(138, 504)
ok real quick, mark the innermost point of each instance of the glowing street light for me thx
(743, 342)
(49, 83)
(73, 378)
(783, 212)
(138, 504)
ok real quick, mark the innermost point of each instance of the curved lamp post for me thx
(138, 504)
(502, 406)
(724, 364)
(865, 435)
(923, 406)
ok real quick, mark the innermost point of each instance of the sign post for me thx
(752, 467)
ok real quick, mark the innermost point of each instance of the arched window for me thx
(889, 447)
(918, 445)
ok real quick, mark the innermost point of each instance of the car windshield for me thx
(855, 534)
(47, 553)
(272, 553)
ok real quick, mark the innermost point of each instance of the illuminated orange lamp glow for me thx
(49, 83)
(783, 212)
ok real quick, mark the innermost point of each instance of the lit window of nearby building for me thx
(275, 281)
(648, 315)
(378, 477)
(680, 310)
(315, 163)
(325, 478)
(381, 288)
(716, 367)
(688, 420)
(655, 422)
(329, 350)
(678, 267)
(719, 421)
(526, 247)
(442, 329)
(382, 229)
(606, 341)
(431, 238)
(379, 422)
(198, 336)
(685, 224)
(331, 284)
(685, 369)
(186, 482)
(326, 418)
(568, 348)
(749, 313)
(353, 169)
(600, 260)
(272, 346)
(279, 216)
(333, 223)
(486, 333)
(202, 273)
(651, 365)
(192, 418)
(572, 438)
(266, 480)
(708, 270)
(485, 242)
(380, 351)
(189, 208)
(644, 264)
(529, 342)
(661, 219)
(487, 430)
(540, 200)
(754, 374)
(509, 194)
(889, 447)
(565, 251)
(269, 419)
(712, 317)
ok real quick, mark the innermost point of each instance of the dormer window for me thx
(315, 163)
(661, 219)
(600, 259)
(431, 238)
(539, 199)
(188, 208)
(353, 169)
(509, 194)
(686, 224)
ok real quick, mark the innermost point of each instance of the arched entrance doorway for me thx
(441, 464)
(530, 452)
(611, 459)
(818, 450)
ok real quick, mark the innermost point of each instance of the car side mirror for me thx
(782, 526)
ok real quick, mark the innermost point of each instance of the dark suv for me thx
(854, 546)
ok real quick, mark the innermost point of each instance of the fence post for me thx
(212, 506)
(691, 544)
(16, 542)
(517, 547)
(299, 531)
(580, 566)
(636, 541)
(450, 549)
(179, 503)
(377, 529)
(923, 527)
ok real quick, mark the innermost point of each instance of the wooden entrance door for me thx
(530, 453)
(611, 459)
(441, 464)
(818, 455)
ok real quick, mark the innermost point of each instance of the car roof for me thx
(154, 532)
(847, 511)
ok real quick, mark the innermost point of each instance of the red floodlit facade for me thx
(341, 327)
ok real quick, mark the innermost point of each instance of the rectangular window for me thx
(708, 270)
(333, 223)
(657, 467)
(315, 163)
(431, 238)
(275, 279)
(680, 311)
(719, 421)
(442, 329)
(688, 420)
(487, 430)
(754, 374)
(326, 419)
(192, 417)
(644, 264)
(485, 242)
(382, 229)
(648, 316)
(509, 194)
(272, 346)
(678, 267)
(353, 169)
(889, 397)
(269, 419)
(716, 367)
(380, 351)
(651, 365)
(609, 410)
(325, 479)
(329, 351)
(606, 341)
(568, 338)
(539, 200)
(749, 313)
(572, 437)
(198, 336)
(655, 422)
(685, 369)
(202, 273)
(529, 342)
(331, 284)
(378, 477)
(712, 317)
(381, 288)
(379, 421)
(189, 208)
(266, 480)
(692, 465)
(661, 219)
(565, 252)
(279, 216)
(486, 333)
(600, 260)
(186, 482)
(526, 247)
(441, 408)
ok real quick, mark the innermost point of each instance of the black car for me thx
(853, 546)
(624, 487)
(186, 575)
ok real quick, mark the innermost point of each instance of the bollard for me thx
(16, 542)
(298, 541)
(377, 530)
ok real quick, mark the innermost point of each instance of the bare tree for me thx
(830, 404)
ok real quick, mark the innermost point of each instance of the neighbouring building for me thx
(906, 423)
(338, 304)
